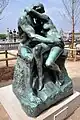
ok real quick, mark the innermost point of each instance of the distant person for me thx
(7, 38)
(10, 35)
(14, 35)
(17, 35)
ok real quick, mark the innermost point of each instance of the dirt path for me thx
(6, 73)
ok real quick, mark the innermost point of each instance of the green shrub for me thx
(3, 36)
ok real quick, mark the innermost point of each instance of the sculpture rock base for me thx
(33, 104)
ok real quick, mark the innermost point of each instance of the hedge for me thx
(3, 36)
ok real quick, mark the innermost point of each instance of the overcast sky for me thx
(54, 8)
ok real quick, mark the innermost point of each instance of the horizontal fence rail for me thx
(6, 47)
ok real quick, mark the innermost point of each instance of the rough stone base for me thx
(50, 95)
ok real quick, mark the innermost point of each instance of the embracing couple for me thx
(42, 43)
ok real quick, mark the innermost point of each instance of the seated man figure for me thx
(50, 32)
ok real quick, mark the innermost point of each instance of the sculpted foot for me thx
(58, 83)
(41, 85)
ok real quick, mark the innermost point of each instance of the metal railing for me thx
(8, 46)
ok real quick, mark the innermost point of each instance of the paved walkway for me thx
(73, 69)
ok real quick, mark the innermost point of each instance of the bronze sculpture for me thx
(40, 77)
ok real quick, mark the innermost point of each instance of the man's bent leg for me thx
(37, 51)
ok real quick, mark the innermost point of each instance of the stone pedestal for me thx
(59, 111)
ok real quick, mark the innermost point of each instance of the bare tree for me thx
(72, 8)
(3, 4)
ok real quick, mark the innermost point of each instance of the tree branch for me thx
(66, 8)
(3, 4)
(72, 11)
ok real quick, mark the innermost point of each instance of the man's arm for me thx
(52, 35)
(38, 15)
(48, 24)
(31, 34)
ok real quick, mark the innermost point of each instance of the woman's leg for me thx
(53, 55)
